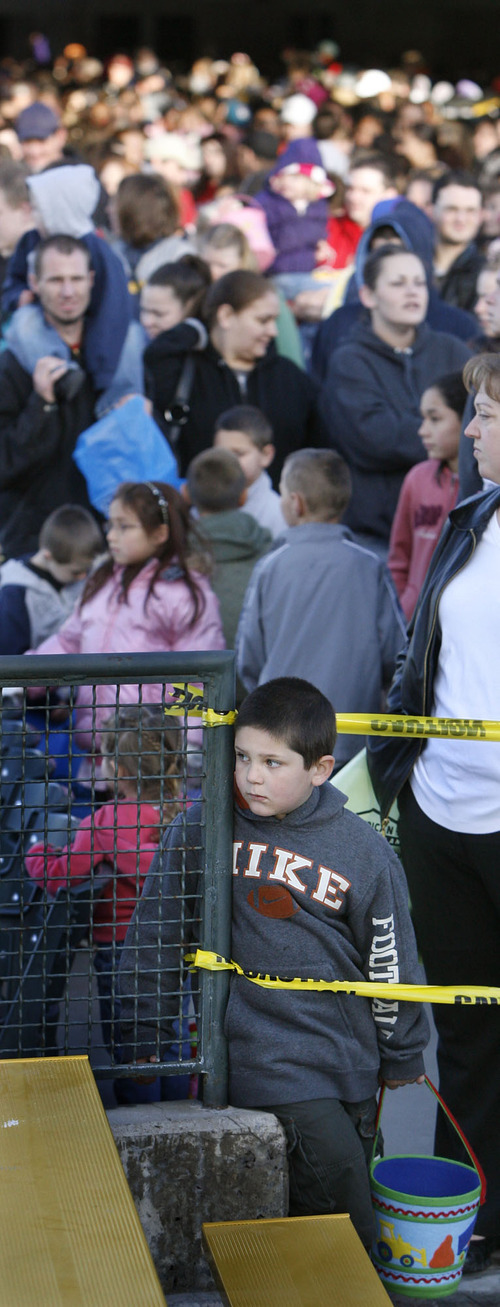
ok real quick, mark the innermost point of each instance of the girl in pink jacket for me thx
(147, 595)
(429, 491)
(143, 771)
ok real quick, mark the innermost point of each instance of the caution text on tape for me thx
(468, 995)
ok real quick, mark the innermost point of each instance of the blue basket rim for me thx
(433, 1201)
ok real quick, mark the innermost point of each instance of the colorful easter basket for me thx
(425, 1209)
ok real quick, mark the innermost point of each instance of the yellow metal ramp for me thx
(69, 1231)
(302, 1261)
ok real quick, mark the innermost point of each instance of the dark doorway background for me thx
(456, 37)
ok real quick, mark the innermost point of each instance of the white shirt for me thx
(265, 505)
(457, 782)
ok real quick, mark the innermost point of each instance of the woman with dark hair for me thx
(146, 217)
(370, 399)
(233, 362)
(448, 791)
(174, 292)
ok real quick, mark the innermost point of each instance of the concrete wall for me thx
(186, 1164)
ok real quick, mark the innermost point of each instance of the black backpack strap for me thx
(177, 415)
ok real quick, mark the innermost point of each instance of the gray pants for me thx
(329, 1147)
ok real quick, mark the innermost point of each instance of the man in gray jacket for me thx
(320, 606)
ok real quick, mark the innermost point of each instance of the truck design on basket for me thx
(391, 1247)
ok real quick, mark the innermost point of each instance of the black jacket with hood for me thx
(416, 233)
(391, 759)
(370, 403)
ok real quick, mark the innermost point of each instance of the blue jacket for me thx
(417, 234)
(110, 308)
(370, 404)
(391, 760)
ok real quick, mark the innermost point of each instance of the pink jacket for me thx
(106, 624)
(125, 835)
(428, 493)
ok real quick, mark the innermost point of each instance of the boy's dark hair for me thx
(296, 713)
(250, 421)
(63, 245)
(216, 481)
(457, 177)
(324, 480)
(71, 532)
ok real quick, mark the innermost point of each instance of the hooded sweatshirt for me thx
(237, 542)
(416, 233)
(295, 235)
(317, 894)
(370, 402)
(66, 199)
(32, 605)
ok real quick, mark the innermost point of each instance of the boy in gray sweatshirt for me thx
(317, 893)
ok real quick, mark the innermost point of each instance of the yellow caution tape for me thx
(451, 728)
(211, 718)
(462, 994)
(188, 699)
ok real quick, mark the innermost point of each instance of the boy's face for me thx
(253, 460)
(271, 777)
(67, 573)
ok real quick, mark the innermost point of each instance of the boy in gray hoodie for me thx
(317, 893)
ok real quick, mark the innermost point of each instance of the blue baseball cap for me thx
(37, 122)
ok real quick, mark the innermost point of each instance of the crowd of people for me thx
(301, 280)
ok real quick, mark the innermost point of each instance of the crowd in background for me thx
(292, 277)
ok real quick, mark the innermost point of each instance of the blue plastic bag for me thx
(125, 445)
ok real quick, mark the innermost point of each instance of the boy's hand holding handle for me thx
(398, 1084)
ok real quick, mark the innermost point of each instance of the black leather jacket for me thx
(391, 760)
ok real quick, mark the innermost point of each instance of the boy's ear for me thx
(323, 769)
(186, 495)
(243, 498)
(267, 454)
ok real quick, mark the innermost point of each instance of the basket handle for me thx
(454, 1123)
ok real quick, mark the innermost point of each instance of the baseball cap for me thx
(37, 122)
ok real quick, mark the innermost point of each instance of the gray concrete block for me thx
(186, 1164)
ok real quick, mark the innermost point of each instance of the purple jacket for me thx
(107, 625)
(294, 235)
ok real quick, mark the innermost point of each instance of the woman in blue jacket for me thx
(370, 399)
